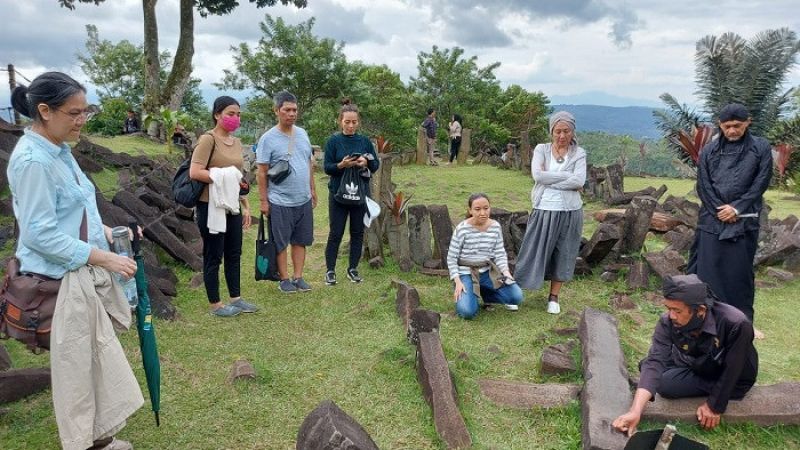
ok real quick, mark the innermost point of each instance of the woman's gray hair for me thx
(567, 118)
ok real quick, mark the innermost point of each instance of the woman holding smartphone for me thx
(343, 151)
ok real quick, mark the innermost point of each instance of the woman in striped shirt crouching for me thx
(477, 257)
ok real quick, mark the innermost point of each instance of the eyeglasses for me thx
(86, 114)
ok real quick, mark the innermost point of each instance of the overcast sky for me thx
(577, 51)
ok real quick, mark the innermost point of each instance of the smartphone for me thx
(354, 156)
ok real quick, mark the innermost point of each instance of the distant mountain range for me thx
(636, 121)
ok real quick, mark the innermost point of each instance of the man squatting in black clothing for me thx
(701, 347)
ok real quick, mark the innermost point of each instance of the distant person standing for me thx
(733, 173)
(290, 202)
(131, 124)
(430, 125)
(454, 128)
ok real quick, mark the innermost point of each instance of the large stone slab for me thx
(637, 224)
(439, 391)
(764, 405)
(685, 210)
(16, 384)
(422, 321)
(606, 393)
(328, 427)
(419, 234)
(666, 263)
(516, 394)
(442, 229)
(406, 301)
(680, 238)
(603, 240)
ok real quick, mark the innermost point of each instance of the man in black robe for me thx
(732, 175)
(700, 347)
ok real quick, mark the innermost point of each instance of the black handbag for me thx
(282, 169)
(266, 254)
(352, 188)
(186, 191)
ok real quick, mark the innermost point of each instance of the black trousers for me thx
(727, 267)
(682, 382)
(455, 144)
(338, 214)
(227, 245)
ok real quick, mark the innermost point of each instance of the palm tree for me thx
(730, 69)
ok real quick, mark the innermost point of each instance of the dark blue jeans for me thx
(467, 303)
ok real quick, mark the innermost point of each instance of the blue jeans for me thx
(467, 304)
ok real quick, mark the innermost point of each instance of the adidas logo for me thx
(352, 192)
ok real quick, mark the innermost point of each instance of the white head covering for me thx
(567, 118)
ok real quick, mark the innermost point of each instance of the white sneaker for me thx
(511, 307)
(553, 307)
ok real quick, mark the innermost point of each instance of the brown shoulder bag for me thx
(27, 303)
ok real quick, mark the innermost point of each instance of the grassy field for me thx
(346, 343)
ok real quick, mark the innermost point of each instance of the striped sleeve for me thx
(453, 253)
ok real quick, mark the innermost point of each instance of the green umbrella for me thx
(147, 334)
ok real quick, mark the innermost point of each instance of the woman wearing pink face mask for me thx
(220, 149)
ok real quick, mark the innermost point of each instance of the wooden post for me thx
(12, 83)
(466, 146)
(422, 147)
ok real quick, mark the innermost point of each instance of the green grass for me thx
(133, 145)
(346, 343)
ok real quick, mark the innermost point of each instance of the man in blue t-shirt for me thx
(290, 202)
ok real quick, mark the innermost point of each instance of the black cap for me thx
(734, 111)
(686, 288)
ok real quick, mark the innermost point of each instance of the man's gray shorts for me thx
(292, 225)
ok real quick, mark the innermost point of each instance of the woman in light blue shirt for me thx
(51, 195)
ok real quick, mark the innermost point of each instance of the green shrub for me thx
(109, 121)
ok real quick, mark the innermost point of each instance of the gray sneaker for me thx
(118, 444)
(287, 287)
(226, 311)
(245, 306)
(301, 284)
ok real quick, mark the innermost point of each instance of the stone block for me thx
(241, 370)
(16, 384)
(422, 321)
(622, 301)
(637, 223)
(606, 393)
(328, 427)
(444, 273)
(638, 275)
(377, 262)
(582, 268)
(519, 395)
(439, 391)
(503, 217)
(602, 242)
(557, 360)
(781, 275)
(666, 263)
(519, 223)
(609, 277)
(680, 238)
(442, 228)
(783, 245)
(406, 301)
(419, 234)
(5, 359)
(777, 404)
(161, 305)
(664, 222)
(432, 264)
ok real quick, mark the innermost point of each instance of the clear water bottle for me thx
(122, 247)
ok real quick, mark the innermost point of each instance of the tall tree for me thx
(118, 71)
(290, 57)
(170, 93)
